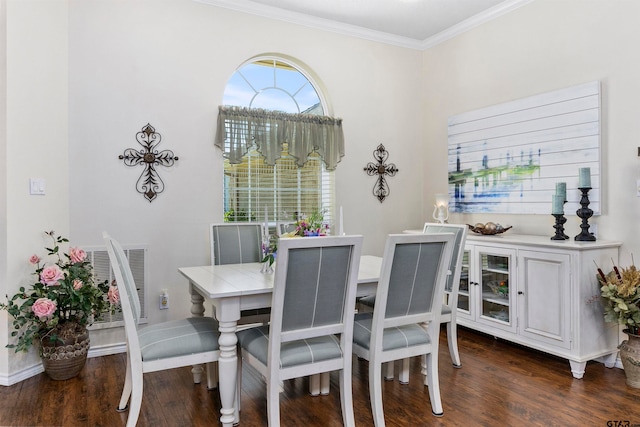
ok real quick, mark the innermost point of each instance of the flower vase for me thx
(630, 356)
(64, 358)
(266, 267)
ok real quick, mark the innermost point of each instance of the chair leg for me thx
(325, 383)
(403, 376)
(273, 402)
(388, 370)
(126, 390)
(136, 399)
(212, 375)
(196, 370)
(452, 340)
(434, 384)
(375, 393)
(314, 384)
(346, 396)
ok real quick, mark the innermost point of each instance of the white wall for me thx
(36, 143)
(544, 46)
(167, 63)
(4, 359)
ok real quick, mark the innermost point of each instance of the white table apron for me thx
(235, 287)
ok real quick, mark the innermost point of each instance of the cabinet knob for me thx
(520, 293)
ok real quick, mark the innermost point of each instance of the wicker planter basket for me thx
(64, 360)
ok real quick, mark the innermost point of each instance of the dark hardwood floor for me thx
(499, 384)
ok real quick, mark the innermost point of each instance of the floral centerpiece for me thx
(620, 291)
(269, 250)
(312, 225)
(62, 302)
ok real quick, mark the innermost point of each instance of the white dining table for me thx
(232, 288)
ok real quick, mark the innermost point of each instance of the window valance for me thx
(239, 128)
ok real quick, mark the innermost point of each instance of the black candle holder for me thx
(565, 220)
(585, 213)
(559, 226)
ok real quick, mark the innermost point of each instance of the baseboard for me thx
(107, 350)
(31, 371)
(21, 375)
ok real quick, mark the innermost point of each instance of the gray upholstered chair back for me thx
(412, 279)
(315, 282)
(455, 265)
(236, 243)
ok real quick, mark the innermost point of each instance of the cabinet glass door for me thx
(463, 292)
(495, 287)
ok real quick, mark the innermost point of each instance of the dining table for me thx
(232, 288)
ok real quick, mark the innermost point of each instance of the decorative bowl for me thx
(488, 229)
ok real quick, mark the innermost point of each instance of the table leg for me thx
(197, 310)
(227, 371)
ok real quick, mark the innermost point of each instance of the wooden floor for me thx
(499, 384)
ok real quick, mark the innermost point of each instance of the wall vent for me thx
(137, 256)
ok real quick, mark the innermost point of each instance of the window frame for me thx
(254, 206)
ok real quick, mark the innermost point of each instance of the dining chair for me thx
(450, 304)
(236, 242)
(406, 317)
(311, 326)
(239, 243)
(161, 346)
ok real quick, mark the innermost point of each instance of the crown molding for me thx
(474, 21)
(247, 6)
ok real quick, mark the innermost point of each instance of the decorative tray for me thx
(488, 229)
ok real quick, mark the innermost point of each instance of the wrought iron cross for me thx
(381, 189)
(149, 184)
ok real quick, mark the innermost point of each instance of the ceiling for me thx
(417, 24)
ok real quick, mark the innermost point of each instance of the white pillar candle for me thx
(584, 178)
(341, 229)
(266, 222)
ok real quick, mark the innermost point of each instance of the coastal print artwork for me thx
(508, 158)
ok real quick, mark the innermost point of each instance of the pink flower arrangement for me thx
(77, 255)
(51, 275)
(65, 292)
(44, 308)
(113, 295)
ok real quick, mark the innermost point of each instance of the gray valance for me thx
(239, 128)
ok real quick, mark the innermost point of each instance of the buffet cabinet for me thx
(539, 293)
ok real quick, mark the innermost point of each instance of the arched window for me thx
(285, 188)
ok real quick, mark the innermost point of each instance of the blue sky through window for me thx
(272, 86)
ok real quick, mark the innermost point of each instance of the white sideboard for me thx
(539, 293)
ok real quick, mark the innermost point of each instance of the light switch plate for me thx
(36, 186)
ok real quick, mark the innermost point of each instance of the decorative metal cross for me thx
(380, 189)
(149, 184)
